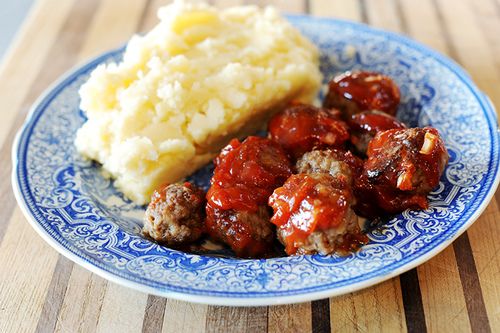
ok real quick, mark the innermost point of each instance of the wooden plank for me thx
(487, 16)
(103, 36)
(237, 320)
(150, 18)
(383, 14)
(82, 302)
(430, 33)
(470, 45)
(376, 309)
(55, 296)
(227, 3)
(290, 318)
(19, 67)
(122, 310)
(344, 9)
(286, 6)
(442, 295)
(154, 314)
(483, 238)
(184, 317)
(26, 267)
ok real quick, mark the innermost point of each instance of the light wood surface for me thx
(456, 291)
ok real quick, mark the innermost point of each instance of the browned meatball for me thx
(336, 162)
(353, 92)
(313, 214)
(302, 128)
(247, 232)
(328, 241)
(175, 215)
(403, 166)
(245, 175)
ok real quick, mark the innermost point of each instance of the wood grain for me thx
(41, 291)
(290, 318)
(183, 317)
(377, 309)
(23, 289)
(236, 319)
(122, 310)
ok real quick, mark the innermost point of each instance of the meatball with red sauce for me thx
(403, 166)
(365, 125)
(336, 162)
(313, 214)
(176, 214)
(302, 128)
(244, 177)
(354, 92)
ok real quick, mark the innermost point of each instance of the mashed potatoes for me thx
(199, 78)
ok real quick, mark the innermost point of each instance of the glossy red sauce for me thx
(302, 128)
(365, 125)
(244, 177)
(373, 122)
(308, 203)
(224, 225)
(363, 91)
(393, 154)
(247, 173)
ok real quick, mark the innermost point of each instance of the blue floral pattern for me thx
(79, 208)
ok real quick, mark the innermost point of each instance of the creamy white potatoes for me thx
(199, 78)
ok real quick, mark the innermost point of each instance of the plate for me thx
(81, 214)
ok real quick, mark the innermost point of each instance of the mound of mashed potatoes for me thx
(201, 77)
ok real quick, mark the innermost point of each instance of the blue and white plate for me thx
(84, 217)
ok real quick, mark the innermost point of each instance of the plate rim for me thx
(262, 300)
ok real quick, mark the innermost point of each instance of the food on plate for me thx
(245, 175)
(336, 162)
(347, 163)
(313, 214)
(353, 92)
(403, 166)
(201, 77)
(302, 128)
(363, 127)
(176, 214)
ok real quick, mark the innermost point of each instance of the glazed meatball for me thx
(244, 177)
(313, 214)
(365, 125)
(353, 92)
(336, 162)
(403, 166)
(175, 215)
(249, 233)
(302, 128)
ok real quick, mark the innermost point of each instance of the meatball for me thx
(366, 124)
(244, 177)
(302, 128)
(403, 166)
(354, 92)
(175, 215)
(313, 214)
(249, 233)
(336, 162)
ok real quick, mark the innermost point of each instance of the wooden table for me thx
(457, 291)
